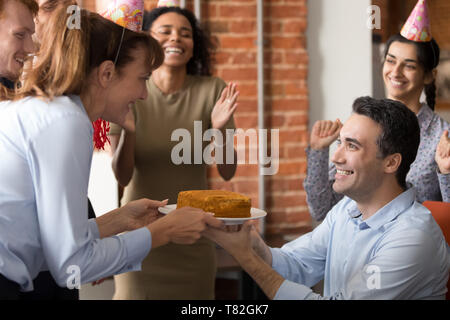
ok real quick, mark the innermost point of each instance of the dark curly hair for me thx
(428, 55)
(400, 130)
(200, 63)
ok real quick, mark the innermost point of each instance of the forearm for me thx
(262, 273)
(123, 159)
(261, 249)
(111, 223)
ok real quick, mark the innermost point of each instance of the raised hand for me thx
(442, 156)
(225, 106)
(324, 133)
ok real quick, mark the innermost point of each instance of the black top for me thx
(91, 212)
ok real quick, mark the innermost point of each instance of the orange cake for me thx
(224, 204)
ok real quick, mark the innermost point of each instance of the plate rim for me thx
(263, 213)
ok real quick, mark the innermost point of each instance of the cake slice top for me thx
(209, 195)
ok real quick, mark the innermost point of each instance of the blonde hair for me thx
(68, 55)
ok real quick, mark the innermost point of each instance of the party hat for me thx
(126, 13)
(417, 27)
(168, 3)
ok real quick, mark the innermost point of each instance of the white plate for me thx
(255, 214)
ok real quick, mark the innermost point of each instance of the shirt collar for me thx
(425, 116)
(387, 213)
(7, 83)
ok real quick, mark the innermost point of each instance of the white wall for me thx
(339, 45)
(102, 189)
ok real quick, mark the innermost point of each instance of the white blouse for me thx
(45, 158)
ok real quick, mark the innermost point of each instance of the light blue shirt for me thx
(46, 152)
(397, 253)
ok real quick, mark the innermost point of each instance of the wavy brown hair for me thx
(68, 55)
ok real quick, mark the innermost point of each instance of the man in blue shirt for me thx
(377, 242)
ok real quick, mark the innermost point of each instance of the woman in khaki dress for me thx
(182, 95)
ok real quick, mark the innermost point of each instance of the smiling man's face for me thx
(359, 168)
(16, 29)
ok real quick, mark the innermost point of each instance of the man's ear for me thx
(105, 73)
(430, 76)
(392, 162)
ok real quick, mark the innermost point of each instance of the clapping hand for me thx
(442, 156)
(324, 133)
(224, 107)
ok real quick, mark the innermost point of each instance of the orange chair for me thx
(441, 213)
